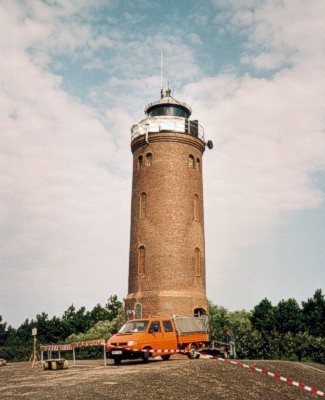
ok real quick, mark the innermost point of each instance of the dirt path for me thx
(179, 378)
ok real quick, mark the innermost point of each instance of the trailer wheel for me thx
(117, 361)
(193, 353)
(166, 357)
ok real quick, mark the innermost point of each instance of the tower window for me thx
(143, 206)
(191, 161)
(141, 260)
(140, 162)
(197, 261)
(198, 164)
(149, 159)
(196, 208)
(138, 311)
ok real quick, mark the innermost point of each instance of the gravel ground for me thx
(179, 378)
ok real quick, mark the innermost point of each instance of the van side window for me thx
(168, 326)
(154, 327)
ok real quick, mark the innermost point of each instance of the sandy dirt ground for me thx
(179, 378)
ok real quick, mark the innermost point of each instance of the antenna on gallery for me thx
(161, 76)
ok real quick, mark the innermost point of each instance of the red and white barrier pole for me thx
(273, 375)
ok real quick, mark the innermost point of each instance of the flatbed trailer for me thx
(216, 348)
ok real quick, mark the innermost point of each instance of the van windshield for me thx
(134, 326)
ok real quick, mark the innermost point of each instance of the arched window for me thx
(149, 159)
(197, 256)
(143, 206)
(140, 162)
(196, 208)
(141, 260)
(191, 161)
(198, 164)
(138, 311)
(198, 312)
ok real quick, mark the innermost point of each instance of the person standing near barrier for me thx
(230, 338)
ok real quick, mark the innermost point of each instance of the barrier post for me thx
(74, 356)
(104, 350)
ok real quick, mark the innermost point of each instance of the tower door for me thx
(198, 312)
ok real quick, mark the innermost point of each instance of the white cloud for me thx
(269, 137)
(264, 61)
(277, 32)
(268, 133)
(62, 199)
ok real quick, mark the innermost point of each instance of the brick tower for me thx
(167, 248)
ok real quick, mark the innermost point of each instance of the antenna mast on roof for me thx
(161, 75)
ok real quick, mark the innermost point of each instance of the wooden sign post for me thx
(34, 358)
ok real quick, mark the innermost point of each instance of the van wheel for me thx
(166, 357)
(117, 361)
(193, 354)
(146, 355)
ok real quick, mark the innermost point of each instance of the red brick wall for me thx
(169, 231)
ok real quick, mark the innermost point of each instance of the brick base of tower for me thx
(165, 304)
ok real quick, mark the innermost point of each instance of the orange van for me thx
(149, 337)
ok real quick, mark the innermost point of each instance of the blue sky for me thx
(76, 75)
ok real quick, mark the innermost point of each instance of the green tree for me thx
(76, 321)
(263, 321)
(113, 307)
(98, 313)
(219, 320)
(239, 321)
(263, 318)
(3, 332)
(288, 317)
(17, 344)
(42, 325)
(24, 332)
(102, 330)
(314, 314)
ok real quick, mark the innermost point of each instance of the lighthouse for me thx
(167, 273)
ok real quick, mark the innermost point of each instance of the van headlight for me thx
(131, 342)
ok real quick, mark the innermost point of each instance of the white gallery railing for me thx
(167, 124)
